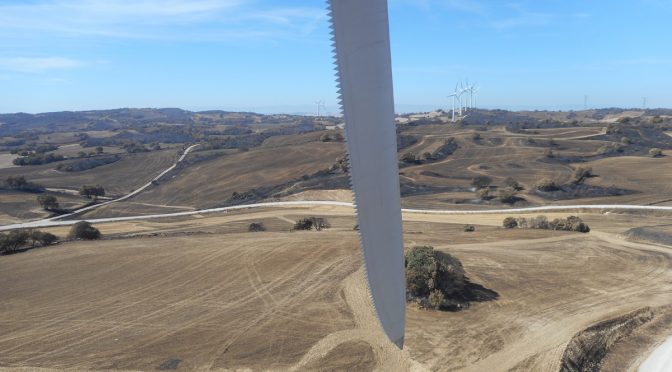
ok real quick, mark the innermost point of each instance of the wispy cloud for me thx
(37, 64)
(522, 17)
(469, 6)
(154, 19)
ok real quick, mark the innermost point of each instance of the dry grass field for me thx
(121, 177)
(211, 182)
(201, 293)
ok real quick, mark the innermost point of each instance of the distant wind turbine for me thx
(319, 105)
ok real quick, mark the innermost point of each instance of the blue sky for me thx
(274, 56)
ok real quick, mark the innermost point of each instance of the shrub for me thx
(256, 227)
(480, 182)
(341, 165)
(20, 183)
(549, 153)
(317, 223)
(16, 183)
(580, 174)
(42, 238)
(475, 136)
(510, 182)
(435, 279)
(320, 223)
(655, 152)
(47, 202)
(483, 194)
(410, 158)
(575, 223)
(546, 184)
(510, 223)
(436, 299)
(507, 195)
(90, 191)
(13, 241)
(469, 228)
(539, 222)
(571, 223)
(610, 148)
(37, 159)
(85, 231)
(626, 141)
(420, 267)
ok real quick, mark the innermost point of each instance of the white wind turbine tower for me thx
(458, 95)
(474, 94)
(319, 104)
(454, 95)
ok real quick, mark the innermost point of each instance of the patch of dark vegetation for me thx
(170, 364)
(633, 137)
(587, 349)
(256, 227)
(92, 191)
(311, 223)
(34, 148)
(88, 163)
(48, 202)
(656, 234)
(19, 183)
(404, 141)
(448, 148)
(37, 159)
(237, 142)
(409, 188)
(21, 240)
(436, 280)
(83, 230)
(571, 223)
(574, 191)
(332, 137)
(575, 187)
(433, 174)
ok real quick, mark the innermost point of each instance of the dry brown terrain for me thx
(202, 293)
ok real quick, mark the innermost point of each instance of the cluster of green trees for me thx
(507, 194)
(433, 278)
(85, 231)
(448, 148)
(571, 223)
(17, 240)
(38, 159)
(578, 177)
(310, 223)
(88, 163)
(48, 202)
(19, 183)
(34, 149)
(92, 191)
(22, 239)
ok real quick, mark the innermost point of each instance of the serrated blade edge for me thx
(364, 80)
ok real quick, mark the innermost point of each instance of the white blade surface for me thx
(362, 46)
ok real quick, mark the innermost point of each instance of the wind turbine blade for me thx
(362, 45)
